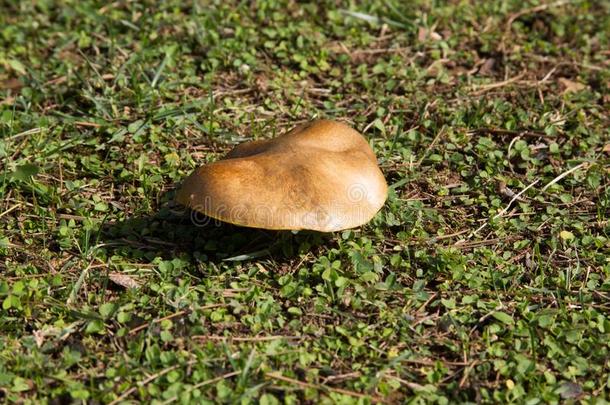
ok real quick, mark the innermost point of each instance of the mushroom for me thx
(321, 176)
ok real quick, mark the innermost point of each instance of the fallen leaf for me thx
(11, 84)
(262, 84)
(424, 33)
(571, 86)
(487, 67)
(436, 67)
(25, 172)
(39, 337)
(123, 280)
(570, 390)
(8, 100)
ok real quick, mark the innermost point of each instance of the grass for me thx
(485, 278)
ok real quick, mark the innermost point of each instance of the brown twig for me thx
(467, 371)
(86, 124)
(278, 376)
(519, 14)
(486, 87)
(145, 382)
(174, 315)
(246, 338)
(440, 133)
(508, 132)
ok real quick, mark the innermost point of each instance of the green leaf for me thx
(25, 172)
(369, 276)
(268, 399)
(17, 66)
(554, 148)
(544, 321)
(166, 267)
(135, 126)
(107, 310)
(6, 378)
(448, 303)
(11, 301)
(94, 326)
(123, 317)
(79, 393)
(341, 281)
(503, 317)
(166, 336)
(594, 179)
(295, 311)
(20, 385)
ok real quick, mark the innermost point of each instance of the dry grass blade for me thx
(505, 209)
(478, 90)
(565, 174)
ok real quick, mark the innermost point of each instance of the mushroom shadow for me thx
(173, 231)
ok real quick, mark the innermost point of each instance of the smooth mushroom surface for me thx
(321, 176)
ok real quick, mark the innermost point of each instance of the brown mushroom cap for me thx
(320, 176)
